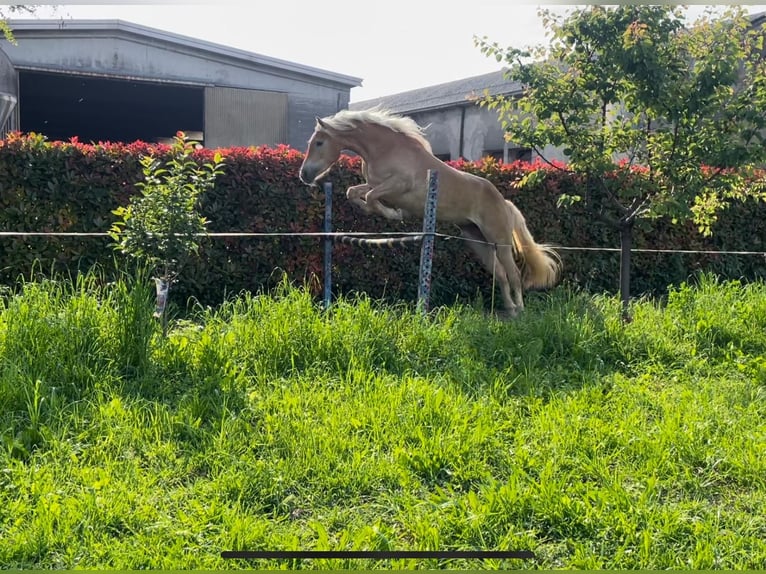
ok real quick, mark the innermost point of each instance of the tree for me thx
(656, 118)
(4, 13)
(162, 226)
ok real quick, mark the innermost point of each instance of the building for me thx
(457, 126)
(9, 88)
(111, 80)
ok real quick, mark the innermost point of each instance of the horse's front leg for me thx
(355, 194)
(390, 190)
(358, 191)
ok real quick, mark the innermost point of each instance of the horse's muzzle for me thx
(307, 176)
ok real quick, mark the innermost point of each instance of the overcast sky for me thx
(393, 45)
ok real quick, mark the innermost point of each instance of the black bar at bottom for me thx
(380, 554)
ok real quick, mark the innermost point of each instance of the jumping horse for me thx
(395, 159)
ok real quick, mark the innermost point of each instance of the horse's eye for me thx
(319, 143)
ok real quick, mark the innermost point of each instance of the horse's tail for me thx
(540, 264)
(379, 241)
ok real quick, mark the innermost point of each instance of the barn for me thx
(112, 80)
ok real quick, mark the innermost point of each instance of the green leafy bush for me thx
(74, 187)
(162, 225)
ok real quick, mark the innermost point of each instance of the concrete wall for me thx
(481, 131)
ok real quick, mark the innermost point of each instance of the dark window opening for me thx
(443, 156)
(514, 154)
(61, 106)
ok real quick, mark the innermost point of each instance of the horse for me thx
(395, 160)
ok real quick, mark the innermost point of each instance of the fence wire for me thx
(420, 234)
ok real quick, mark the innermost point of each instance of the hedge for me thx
(73, 187)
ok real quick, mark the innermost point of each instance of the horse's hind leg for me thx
(505, 255)
(497, 228)
(487, 255)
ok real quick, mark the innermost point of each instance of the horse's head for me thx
(323, 151)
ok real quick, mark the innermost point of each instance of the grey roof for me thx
(445, 95)
(121, 28)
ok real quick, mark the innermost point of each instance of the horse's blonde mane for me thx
(349, 119)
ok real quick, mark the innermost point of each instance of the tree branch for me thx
(605, 188)
(564, 125)
(649, 147)
(635, 208)
(603, 124)
(675, 142)
(542, 157)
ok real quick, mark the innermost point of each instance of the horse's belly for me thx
(412, 205)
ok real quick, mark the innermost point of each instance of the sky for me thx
(392, 45)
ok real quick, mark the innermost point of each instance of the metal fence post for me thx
(427, 247)
(327, 244)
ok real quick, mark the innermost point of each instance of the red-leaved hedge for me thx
(73, 187)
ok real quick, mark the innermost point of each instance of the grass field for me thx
(268, 424)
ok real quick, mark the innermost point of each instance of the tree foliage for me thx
(633, 89)
(162, 226)
(7, 11)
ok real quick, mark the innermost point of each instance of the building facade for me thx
(456, 126)
(110, 80)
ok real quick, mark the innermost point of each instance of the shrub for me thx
(74, 187)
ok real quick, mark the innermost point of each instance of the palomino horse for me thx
(396, 157)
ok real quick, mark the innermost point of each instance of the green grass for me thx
(267, 424)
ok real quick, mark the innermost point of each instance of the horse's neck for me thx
(358, 142)
(370, 141)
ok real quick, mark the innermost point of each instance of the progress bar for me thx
(380, 554)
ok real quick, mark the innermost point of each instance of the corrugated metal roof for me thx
(443, 95)
(119, 28)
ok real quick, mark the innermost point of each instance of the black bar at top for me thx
(379, 554)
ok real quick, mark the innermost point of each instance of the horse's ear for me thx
(320, 123)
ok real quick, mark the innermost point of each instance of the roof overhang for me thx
(30, 28)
